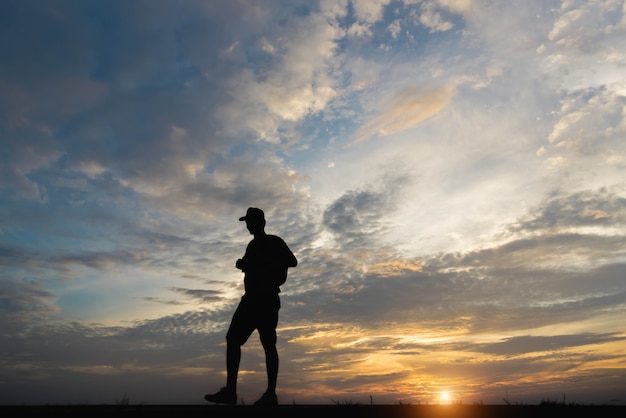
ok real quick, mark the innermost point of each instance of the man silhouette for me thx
(265, 265)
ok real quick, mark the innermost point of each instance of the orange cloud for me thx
(406, 109)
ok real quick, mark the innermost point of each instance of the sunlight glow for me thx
(445, 397)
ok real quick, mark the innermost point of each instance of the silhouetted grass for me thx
(341, 409)
(337, 409)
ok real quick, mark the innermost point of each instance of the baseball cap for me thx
(253, 214)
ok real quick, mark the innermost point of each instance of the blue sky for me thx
(449, 173)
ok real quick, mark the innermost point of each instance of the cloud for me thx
(406, 109)
(354, 212)
(603, 208)
(339, 315)
(27, 149)
(146, 137)
(355, 217)
(369, 11)
(530, 344)
(297, 82)
(589, 128)
(201, 295)
(433, 20)
(524, 280)
(25, 301)
(577, 52)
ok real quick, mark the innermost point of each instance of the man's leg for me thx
(233, 358)
(228, 394)
(267, 332)
(241, 327)
(271, 363)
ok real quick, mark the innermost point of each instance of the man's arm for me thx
(242, 263)
(291, 259)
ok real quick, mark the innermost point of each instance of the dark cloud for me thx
(27, 149)
(109, 361)
(351, 212)
(150, 78)
(524, 282)
(529, 344)
(471, 292)
(24, 301)
(201, 295)
(356, 217)
(603, 207)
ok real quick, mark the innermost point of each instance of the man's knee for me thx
(268, 339)
(233, 339)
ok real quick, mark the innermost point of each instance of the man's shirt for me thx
(265, 264)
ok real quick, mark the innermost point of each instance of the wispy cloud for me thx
(405, 110)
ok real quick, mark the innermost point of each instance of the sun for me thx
(445, 396)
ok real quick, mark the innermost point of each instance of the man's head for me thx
(255, 220)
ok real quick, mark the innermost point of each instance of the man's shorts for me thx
(258, 312)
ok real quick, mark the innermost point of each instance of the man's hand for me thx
(239, 264)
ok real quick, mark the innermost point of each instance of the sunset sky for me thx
(451, 175)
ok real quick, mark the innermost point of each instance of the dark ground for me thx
(321, 411)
